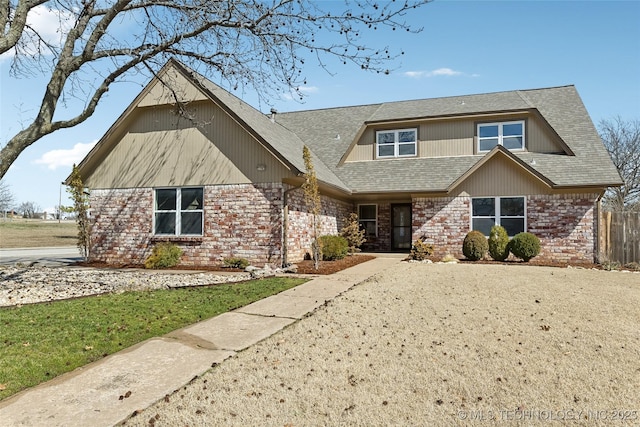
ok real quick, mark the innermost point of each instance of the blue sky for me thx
(466, 47)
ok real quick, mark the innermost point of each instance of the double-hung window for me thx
(396, 143)
(509, 212)
(508, 134)
(368, 219)
(178, 211)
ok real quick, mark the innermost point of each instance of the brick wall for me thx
(565, 225)
(444, 221)
(300, 229)
(246, 221)
(122, 222)
(239, 220)
(381, 242)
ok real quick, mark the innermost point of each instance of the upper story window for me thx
(508, 134)
(396, 143)
(178, 211)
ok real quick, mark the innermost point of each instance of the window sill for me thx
(184, 239)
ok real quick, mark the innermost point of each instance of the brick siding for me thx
(239, 220)
(565, 225)
(443, 221)
(243, 220)
(381, 242)
(333, 212)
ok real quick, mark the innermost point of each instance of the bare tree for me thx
(244, 42)
(6, 198)
(314, 204)
(81, 208)
(622, 140)
(29, 209)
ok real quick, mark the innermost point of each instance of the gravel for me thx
(39, 284)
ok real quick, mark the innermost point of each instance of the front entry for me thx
(401, 227)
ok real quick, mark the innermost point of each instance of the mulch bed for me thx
(304, 267)
(330, 267)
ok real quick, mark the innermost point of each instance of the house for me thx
(219, 178)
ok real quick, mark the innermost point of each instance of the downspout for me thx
(597, 257)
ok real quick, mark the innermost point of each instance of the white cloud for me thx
(55, 159)
(309, 89)
(305, 90)
(51, 25)
(433, 73)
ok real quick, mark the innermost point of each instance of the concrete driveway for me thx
(53, 256)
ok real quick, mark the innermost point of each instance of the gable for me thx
(500, 175)
(158, 93)
(159, 148)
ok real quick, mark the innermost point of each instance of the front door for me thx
(401, 227)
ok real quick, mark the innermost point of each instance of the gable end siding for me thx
(161, 148)
(457, 137)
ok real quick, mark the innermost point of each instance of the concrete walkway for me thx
(106, 392)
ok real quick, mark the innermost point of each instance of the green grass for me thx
(30, 233)
(41, 341)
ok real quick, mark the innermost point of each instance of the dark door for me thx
(401, 227)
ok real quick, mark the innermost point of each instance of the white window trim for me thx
(396, 143)
(500, 125)
(178, 211)
(497, 207)
(375, 220)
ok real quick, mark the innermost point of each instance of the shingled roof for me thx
(282, 142)
(588, 165)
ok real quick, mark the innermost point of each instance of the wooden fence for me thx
(620, 237)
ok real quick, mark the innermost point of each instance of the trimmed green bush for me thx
(163, 255)
(498, 243)
(524, 246)
(233, 262)
(333, 247)
(475, 245)
(420, 250)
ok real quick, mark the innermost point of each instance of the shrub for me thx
(163, 255)
(449, 259)
(498, 243)
(352, 232)
(420, 250)
(475, 245)
(524, 246)
(333, 247)
(233, 262)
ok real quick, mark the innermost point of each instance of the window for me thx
(368, 219)
(178, 211)
(396, 143)
(508, 212)
(508, 134)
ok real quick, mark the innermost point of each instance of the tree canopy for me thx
(262, 44)
(622, 140)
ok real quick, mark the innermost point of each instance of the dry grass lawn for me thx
(438, 345)
(35, 233)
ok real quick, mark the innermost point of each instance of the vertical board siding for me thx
(448, 138)
(209, 148)
(620, 237)
(501, 176)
